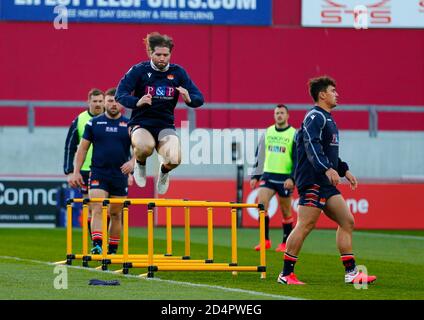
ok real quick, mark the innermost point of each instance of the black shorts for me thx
(158, 133)
(85, 177)
(316, 196)
(113, 186)
(276, 183)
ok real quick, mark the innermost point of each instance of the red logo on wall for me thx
(338, 11)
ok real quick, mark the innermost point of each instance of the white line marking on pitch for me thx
(270, 295)
(381, 235)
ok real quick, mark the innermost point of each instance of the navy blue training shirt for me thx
(317, 149)
(111, 144)
(142, 79)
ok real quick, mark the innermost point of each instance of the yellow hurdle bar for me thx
(210, 234)
(175, 203)
(150, 240)
(156, 261)
(125, 232)
(69, 229)
(206, 267)
(84, 229)
(186, 266)
(130, 256)
(104, 228)
(234, 237)
(187, 232)
(262, 240)
(168, 232)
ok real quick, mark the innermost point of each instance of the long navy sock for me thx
(348, 262)
(266, 228)
(289, 263)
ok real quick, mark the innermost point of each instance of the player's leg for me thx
(169, 149)
(287, 221)
(264, 196)
(310, 207)
(115, 225)
(96, 219)
(337, 210)
(306, 220)
(118, 188)
(143, 146)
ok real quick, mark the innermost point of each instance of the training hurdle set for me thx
(165, 261)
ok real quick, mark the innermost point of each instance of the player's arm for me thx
(189, 92)
(71, 145)
(343, 171)
(258, 168)
(313, 126)
(76, 179)
(128, 167)
(87, 138)
(126, 87)
(290, 182)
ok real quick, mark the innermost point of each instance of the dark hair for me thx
(155, 39)
(95, 92)
(280, 105)
(317, 85)
(110, 92)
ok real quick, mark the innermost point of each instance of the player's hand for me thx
(130, 179)
(146, 99)
(127, 167)
(75, 180)
(253, 183)
(184, 94)
(289, 184)
(333, 176)
(352, 180)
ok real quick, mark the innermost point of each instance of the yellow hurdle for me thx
(163, 262)
(85, 229)
(187, 232)
(168, 232)
(210, 235)
(150, 240)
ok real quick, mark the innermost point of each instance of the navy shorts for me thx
(316, 196)
(114, 186)
(276, 183)
(158, 133)
(86, 178)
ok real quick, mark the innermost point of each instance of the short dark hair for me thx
(110, 92)
(95, 92)
(280, 105)
(155, 39)
(317, 85)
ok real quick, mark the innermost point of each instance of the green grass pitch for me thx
(396, 257)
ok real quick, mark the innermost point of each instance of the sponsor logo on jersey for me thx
(162, 91)
(335, 140)
(279, 149)
(111, 129)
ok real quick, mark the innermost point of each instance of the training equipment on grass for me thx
(165, 261)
